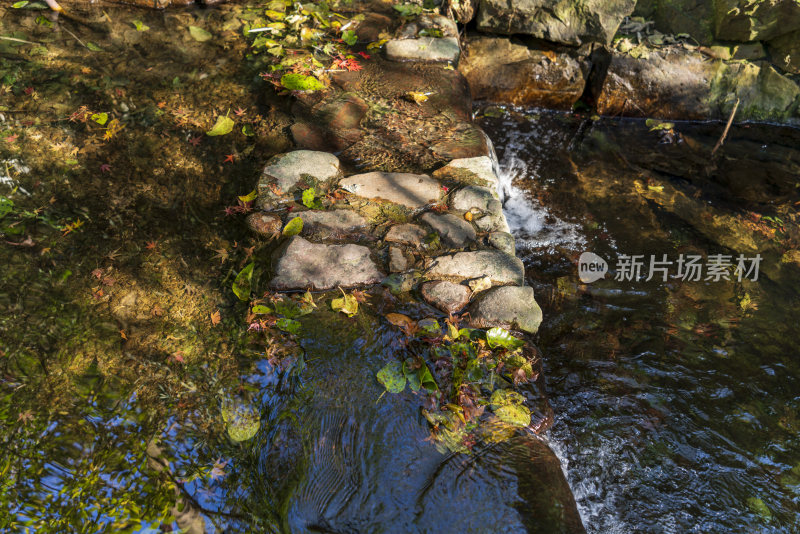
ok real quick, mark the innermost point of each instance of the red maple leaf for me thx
(229, 158)
(178, 356)
(348, 64)
(28, 91)
(364, 55)
(239, 111)
(151, 245)
(194, 141)
(105, 167)
(11, 138)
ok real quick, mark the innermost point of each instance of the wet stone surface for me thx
(509, 307)
(447, 296)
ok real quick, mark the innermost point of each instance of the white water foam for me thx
(534, 226)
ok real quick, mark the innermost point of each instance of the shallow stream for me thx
(675, 402)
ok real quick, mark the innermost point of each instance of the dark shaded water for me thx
(676, 402)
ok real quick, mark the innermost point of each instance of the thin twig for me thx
(727, 127)
(75, 36)
(16, 40)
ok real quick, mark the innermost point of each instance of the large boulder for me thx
(571, 22)
(675, 83)
(693, 17)
(510, 307)
(785, 52)
(755, 20)
(500, 268)
(499, 70)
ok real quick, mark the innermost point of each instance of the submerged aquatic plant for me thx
(473, 370)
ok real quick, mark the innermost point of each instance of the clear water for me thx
(676, 404)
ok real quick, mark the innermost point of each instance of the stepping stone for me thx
(503, 241)
(475, 197)
(453, 231)
(423, 49)
(409, 190)
(478, 171)
(499, 267)
(405, 234)
(333, 223)
(509, 307)
(306, 265)
(447, 296)
(285, 170)
(493, 223)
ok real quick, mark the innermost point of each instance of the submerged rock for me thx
(499, 267)
(284, 171)
(306, 265)
(447, 296)
(409, 190)
(453, 231)
(571, 22)
(423, 49)
(398, 262)
(509, 307)
(498, 70)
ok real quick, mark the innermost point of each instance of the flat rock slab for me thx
(405, 234)
(306, 265)
(571, 22)
(447, 296)
(499, 267)
(285, 170)
(475, 197)
(409, 190)
(454, 232)
(331, 224)
(477, 171)
(509, 307)
(423, 49)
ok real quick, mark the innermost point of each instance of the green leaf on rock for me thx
(19, 5)
(392, 378)
(199, 34)
(260, 309)
(93, 47)
(309, 199)
(426, 379)
(224, 125)
(139, 25)
(429, 327)
(293, 227)
(301, 82)
(500, 337)
(241, 285)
